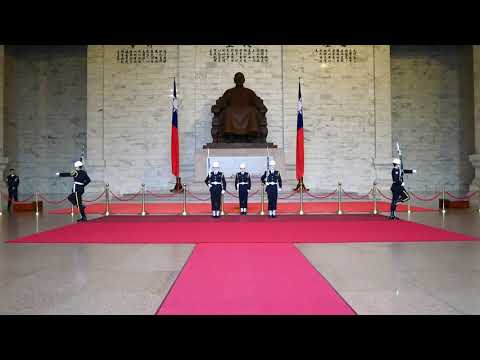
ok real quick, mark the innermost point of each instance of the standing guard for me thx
(217, 185)
(12, 183)
(273, 182)
(399, 194)
(243, 184)
(80, 180)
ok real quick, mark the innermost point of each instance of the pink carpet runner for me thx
(242, 229)
(251, 279)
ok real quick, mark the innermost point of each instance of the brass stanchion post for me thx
(409, 211)
(222, 212)
(36, 204)
(443, 200)
(375, 211)
(107, 199)
(1, 204)
(184, 213)
(301, 197)
(262, 212)
(339, 212)
(143, 200)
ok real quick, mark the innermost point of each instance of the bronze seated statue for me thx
(239, 116)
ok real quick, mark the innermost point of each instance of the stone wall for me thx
(46, 113)
(432, 114)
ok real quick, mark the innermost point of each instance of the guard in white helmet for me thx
(80, 180)
(273, 182)
(217, 185)
(243, 185)
(399, 194)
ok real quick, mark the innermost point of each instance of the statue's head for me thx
(239, 79)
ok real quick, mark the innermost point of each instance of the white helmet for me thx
(396, 161)
(242, 166)
(272, 163)
(216, 164)
(78, 164)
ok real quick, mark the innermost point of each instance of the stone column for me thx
(95, 160)
(475, 158)
(3, 159)
(382, 115)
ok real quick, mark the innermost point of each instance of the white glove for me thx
(279, 189)
(209, 186)
(223, 191)
(414, 171)
(248, 190)
(58, 174)
(403, 184)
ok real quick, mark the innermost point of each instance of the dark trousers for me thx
(399, 194)
(12, 194)
(73, 199)
(272, 193)
(243, 196)
(216, 197)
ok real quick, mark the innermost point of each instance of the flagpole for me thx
(300, 185)
(178, 180)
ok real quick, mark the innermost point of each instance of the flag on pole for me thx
(175, 151)
(300, 153)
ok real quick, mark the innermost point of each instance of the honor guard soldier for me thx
(243, 185)
(217, 185)
(80, 180)
(273, 182)
(12, 183)
(399, 194)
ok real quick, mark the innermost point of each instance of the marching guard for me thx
(273, 182)
(12, 183)
(80, 180)
(243, 185)
(399, 194)
(217, 185)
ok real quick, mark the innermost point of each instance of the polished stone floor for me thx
(374, 278)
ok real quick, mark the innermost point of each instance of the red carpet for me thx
(242, 229)
(251, 279)
(204, 208)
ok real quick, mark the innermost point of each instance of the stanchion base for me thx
(184, 213)
(261, 213)
(297, 188)
(178, 186)
(444, 211)
(301, 212)
(375, 212)
(143, 213)
(107, 213)
(339, 212)
(222, 213)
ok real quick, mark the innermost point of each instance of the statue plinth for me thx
(240, 146)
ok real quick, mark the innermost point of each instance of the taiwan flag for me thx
(175, 151)
(300, 158)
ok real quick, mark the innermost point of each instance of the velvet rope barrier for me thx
(196, 197)
(383, 195)
(24, 200)
(120, 199)
(359, 197)
(466, 197)
(288, 196)
(320, 196)
(55, 202)
(425, 199)
(98, 197)
(161, 196)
